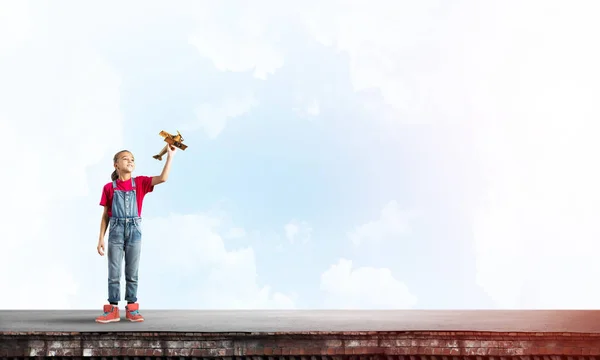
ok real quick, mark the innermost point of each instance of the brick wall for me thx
(302, 346)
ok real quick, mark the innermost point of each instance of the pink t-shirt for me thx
(143, 185)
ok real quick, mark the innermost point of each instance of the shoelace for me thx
(134, 312)
(107, 312)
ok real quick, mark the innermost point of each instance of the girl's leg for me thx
(115, 259)
(132, 261)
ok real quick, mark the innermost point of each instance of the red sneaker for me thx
(133, 313)
(111, 314)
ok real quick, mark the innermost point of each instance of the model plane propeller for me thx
(175, 140)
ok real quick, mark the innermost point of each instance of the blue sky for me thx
(424, 155)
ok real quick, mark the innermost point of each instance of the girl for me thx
(122, 201)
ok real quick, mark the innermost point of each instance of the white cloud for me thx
(61, 111)
(385, 43)
(298, 231)
(410, 51)
(196, 255)
(534, 88)
(313, 108)
(369, 287)
(238, 37)
(524, 83)
(291, 230)
(307, 108)
(15, 25)
(235, 233)
(364, 288)
(213, 118)
(391, 224)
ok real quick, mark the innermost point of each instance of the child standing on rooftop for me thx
(122, 201)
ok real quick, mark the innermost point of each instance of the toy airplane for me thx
(175, 140)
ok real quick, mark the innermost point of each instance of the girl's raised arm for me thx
(165, 173)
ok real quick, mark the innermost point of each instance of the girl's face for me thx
(125, 163)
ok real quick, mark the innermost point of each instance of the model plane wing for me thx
(177, 144)
(165, 134)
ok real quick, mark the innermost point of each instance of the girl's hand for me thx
(100, 247)
(171, 149)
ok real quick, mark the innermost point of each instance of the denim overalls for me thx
(124, 240)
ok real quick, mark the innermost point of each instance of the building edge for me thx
(436, 345)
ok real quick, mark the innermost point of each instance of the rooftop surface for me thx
(226, 321)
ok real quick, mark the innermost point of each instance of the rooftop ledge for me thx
(305, 335)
